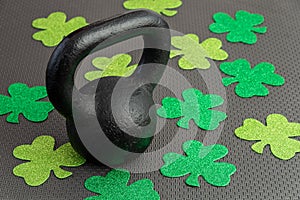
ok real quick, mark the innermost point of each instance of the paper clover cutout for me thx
(115, 66)
(24, 100)
(241, 29)
(54, 28)
(250, 80)
(114, 186)
(199, 161)
(160, 6)
(43, 159)
(196, 106)
(195, 55)
(277, 133)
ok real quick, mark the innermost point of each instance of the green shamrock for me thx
(200, 161)
(194, 55)
(43, 159)
(196, 106)
(55, 28)
(277, 134)
(115, 66)
(160, 6)
(242, 29)
(114, 187)
(24, 100)
(250, 80)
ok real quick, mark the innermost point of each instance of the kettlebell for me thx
(103, 125)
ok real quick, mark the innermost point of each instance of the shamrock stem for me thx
(183, 122)
(169, 13)
(227, 81)
(258, 147)
(175, 53)
(192, 180)
(13, 117)
(60, 173)
(259, 29)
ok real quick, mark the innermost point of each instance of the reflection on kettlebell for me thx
(99, 115)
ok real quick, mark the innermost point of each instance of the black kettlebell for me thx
(94, 123)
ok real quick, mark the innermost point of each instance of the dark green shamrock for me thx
(250, 80)
(196, 106)
(114, 186)
(24, 100)
(277, 134)
(115, 66)
(242, 29)
(160, 6)
(200, 161)
(43, 159)
(55, 28)
(194, 54)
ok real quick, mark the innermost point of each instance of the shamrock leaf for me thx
(115, 66)
(25, 100)
(196, 106)
(43, 159)
(242, 29)
(200, 161)
(55, 28)
(277, 134)
(194, 55)
(160, 6)
(250, 80)
(114, 187)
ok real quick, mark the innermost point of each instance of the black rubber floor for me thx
(258, 176)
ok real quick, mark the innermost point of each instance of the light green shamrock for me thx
(196, 106)
(43, 159)
(115, 66)
(195, 55)
(241, 29)
(114, 186)
(160, 6)
(277, 133)
(55, 28)
(199, 161)
(24, 100)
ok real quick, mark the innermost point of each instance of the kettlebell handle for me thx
(79, 44)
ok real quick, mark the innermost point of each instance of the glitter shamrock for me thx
(195, 55)
(114, 186)
(241, 29)
(199, 161)
(43, 159)
(277, 133)
(55, 28)
(250, 80)
(115, 66)
(24, 100)
(196, 106)
(160, 6)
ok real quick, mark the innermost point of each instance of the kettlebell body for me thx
(102, 124)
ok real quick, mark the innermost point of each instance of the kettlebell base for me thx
(106, 156)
